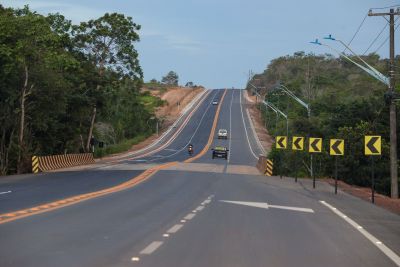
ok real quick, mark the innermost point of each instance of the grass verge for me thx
(122, 146)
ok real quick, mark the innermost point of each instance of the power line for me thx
(385, 7)
(384, 42)
(376, 38)
(359, 27)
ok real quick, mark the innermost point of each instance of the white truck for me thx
(222, 134)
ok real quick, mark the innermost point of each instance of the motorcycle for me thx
(190, 150)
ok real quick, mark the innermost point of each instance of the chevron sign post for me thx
(373, 147)
(314, 146)
(297, 144)
(336, 148)
(281, 142)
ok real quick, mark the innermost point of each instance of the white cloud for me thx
(173, 41)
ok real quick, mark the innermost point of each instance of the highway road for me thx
(195, 211)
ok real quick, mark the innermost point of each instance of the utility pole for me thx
(393, 135)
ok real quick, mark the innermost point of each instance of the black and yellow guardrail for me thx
(266, 166)
(35, 164)
(54, 162)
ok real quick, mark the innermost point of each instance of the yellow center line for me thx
(12, 216)
(8, 217)
(211, 137)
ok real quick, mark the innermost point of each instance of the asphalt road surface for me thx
(203, 213)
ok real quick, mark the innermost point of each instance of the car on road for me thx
(220, 152)
(215, 102)
(222, 134)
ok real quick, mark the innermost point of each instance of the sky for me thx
(215, 43)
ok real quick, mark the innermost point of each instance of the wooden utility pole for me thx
(393, 135)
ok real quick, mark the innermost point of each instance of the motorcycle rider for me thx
(190, 149)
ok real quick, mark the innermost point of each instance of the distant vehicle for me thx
(190, 149)
(215, 102)
(222, 134)
(220, 152)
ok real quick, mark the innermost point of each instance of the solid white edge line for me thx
(387, 251)
(196, 101)
(151, 248)
(245, 127)
(254, 132)
(230, 127)
(191, 138)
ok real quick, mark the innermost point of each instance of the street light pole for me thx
(393, 127)
(390, 82)
(278, 111)
(307, 106)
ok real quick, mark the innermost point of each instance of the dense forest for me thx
(63, 87)
(346, 103)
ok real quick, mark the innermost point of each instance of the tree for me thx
(153, 81)
(171, 78)
(108, 44)
(33, 53)
(189, 84)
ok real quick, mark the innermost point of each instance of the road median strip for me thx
(12, 216)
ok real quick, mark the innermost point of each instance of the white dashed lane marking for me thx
(200, 208)
(174, 228)
(156, 244)
(151, 248)
(189, 216)
(388, 252)
(7, 192)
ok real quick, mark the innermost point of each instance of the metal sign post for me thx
(336, 167)
(314, 146)
(281, 143)
(297, 144)
(372, 180)
(336, 148)
(372, 147)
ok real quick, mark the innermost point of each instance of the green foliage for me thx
(345, 103)
(51, 75)
(122, 146)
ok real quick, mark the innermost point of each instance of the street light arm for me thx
(369, 66)
(376, 74)
(370, 72)
(292, 95)
(270, 105)
(256, 89)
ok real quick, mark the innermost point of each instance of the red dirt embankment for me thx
(177, 99)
